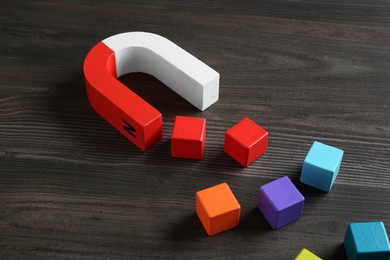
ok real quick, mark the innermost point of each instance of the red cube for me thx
(246, 141)
(188, 137)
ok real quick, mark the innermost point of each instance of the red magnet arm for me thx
(140, 122)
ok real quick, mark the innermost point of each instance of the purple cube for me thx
(280, 202)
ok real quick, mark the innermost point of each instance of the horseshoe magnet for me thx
(150, 53)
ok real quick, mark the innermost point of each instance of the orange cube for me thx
(217, 209)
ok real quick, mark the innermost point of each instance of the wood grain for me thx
(71, 187)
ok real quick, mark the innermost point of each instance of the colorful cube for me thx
(321, 166)
(280, 202)
(246, 141)
(367, 240)
(188, 137)
(217, 209)
(306, 255)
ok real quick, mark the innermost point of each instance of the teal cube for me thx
(321, 166)
(366, 241)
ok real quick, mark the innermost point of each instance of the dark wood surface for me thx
(72, 187)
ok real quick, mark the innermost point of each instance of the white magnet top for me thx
(175, 67)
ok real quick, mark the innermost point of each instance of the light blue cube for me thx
(367, 241)
(321, 166)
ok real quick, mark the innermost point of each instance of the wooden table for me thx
(72, 187)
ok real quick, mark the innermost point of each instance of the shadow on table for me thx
(190, 228)
(254, 224)
(311, 194)
(338, 253)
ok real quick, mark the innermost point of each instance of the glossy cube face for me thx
(367, 240)
(188, 137)
(321, 166)
(245, 142)
(306, 255)
(217, 209)
(280, 202)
